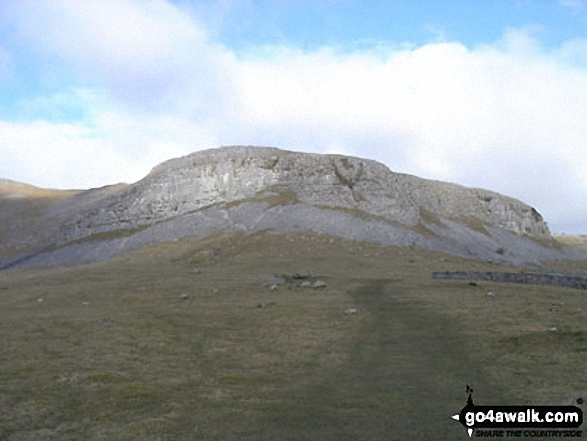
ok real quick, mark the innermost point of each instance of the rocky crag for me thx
(256, 188)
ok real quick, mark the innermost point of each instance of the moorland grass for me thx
(138, 362)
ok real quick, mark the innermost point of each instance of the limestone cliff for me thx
(252, 187)
(230, 174)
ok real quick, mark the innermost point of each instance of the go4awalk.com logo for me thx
(520, 421)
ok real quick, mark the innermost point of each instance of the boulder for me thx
(302, 275)
(273, 280)
(319, 284)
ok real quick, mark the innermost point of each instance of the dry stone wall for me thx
(562, 280)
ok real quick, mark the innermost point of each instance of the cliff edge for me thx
(252, 188)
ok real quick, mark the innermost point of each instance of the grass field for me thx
(137, 362)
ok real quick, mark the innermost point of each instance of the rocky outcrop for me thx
(231, 174)
(249, 188)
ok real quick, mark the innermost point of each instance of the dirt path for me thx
(406, 376)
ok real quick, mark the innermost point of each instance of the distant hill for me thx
(258, 188)
(575, 241)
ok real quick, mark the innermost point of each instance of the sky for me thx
(487, 94)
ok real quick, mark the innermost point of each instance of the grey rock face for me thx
(253, 188)
(231, 174)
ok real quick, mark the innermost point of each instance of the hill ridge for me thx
(249, 188)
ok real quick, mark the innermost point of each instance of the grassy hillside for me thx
(139, 362)
(21, 210)
(578, 242)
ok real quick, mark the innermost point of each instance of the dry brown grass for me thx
(141, 363)
(574, 241)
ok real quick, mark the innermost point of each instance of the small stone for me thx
(274, 288)
(215, 291)
(273, 280)
(264, 304)
(40, 300)
(301, 275)
(490, 294)
(85, 303)
(319, 284)
(306, 284)
(557, 303)
(473, 284)
(184, 297)
(351, 311)
(553, 328)
(195, 271)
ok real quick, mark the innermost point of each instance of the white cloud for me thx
(146, 52)
(53, 155)
(507, 116)
(576, 5)
(116, 148)
(574, 52)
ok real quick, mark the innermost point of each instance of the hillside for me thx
(256, 188)
(169, 342)
(254, 294)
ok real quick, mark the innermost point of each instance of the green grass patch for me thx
(430, 217)
(141, 363)
(474, 223)
(577, 242)
(104, 235)
(274, 196)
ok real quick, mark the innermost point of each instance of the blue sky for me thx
(348, 24)
(487, 94)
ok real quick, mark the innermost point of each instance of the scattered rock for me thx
(274, 288)
(557, 303)
(306, 284)
(242, 171)
(319, 284)
(40, 300)
(215, 291)
(490, 294)
(264, 304)
(553, 328)
(302, 275)
(195, 271)
(184, 296)
(85, 303)
(103, 321)
(351, 311)
(273, 280)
